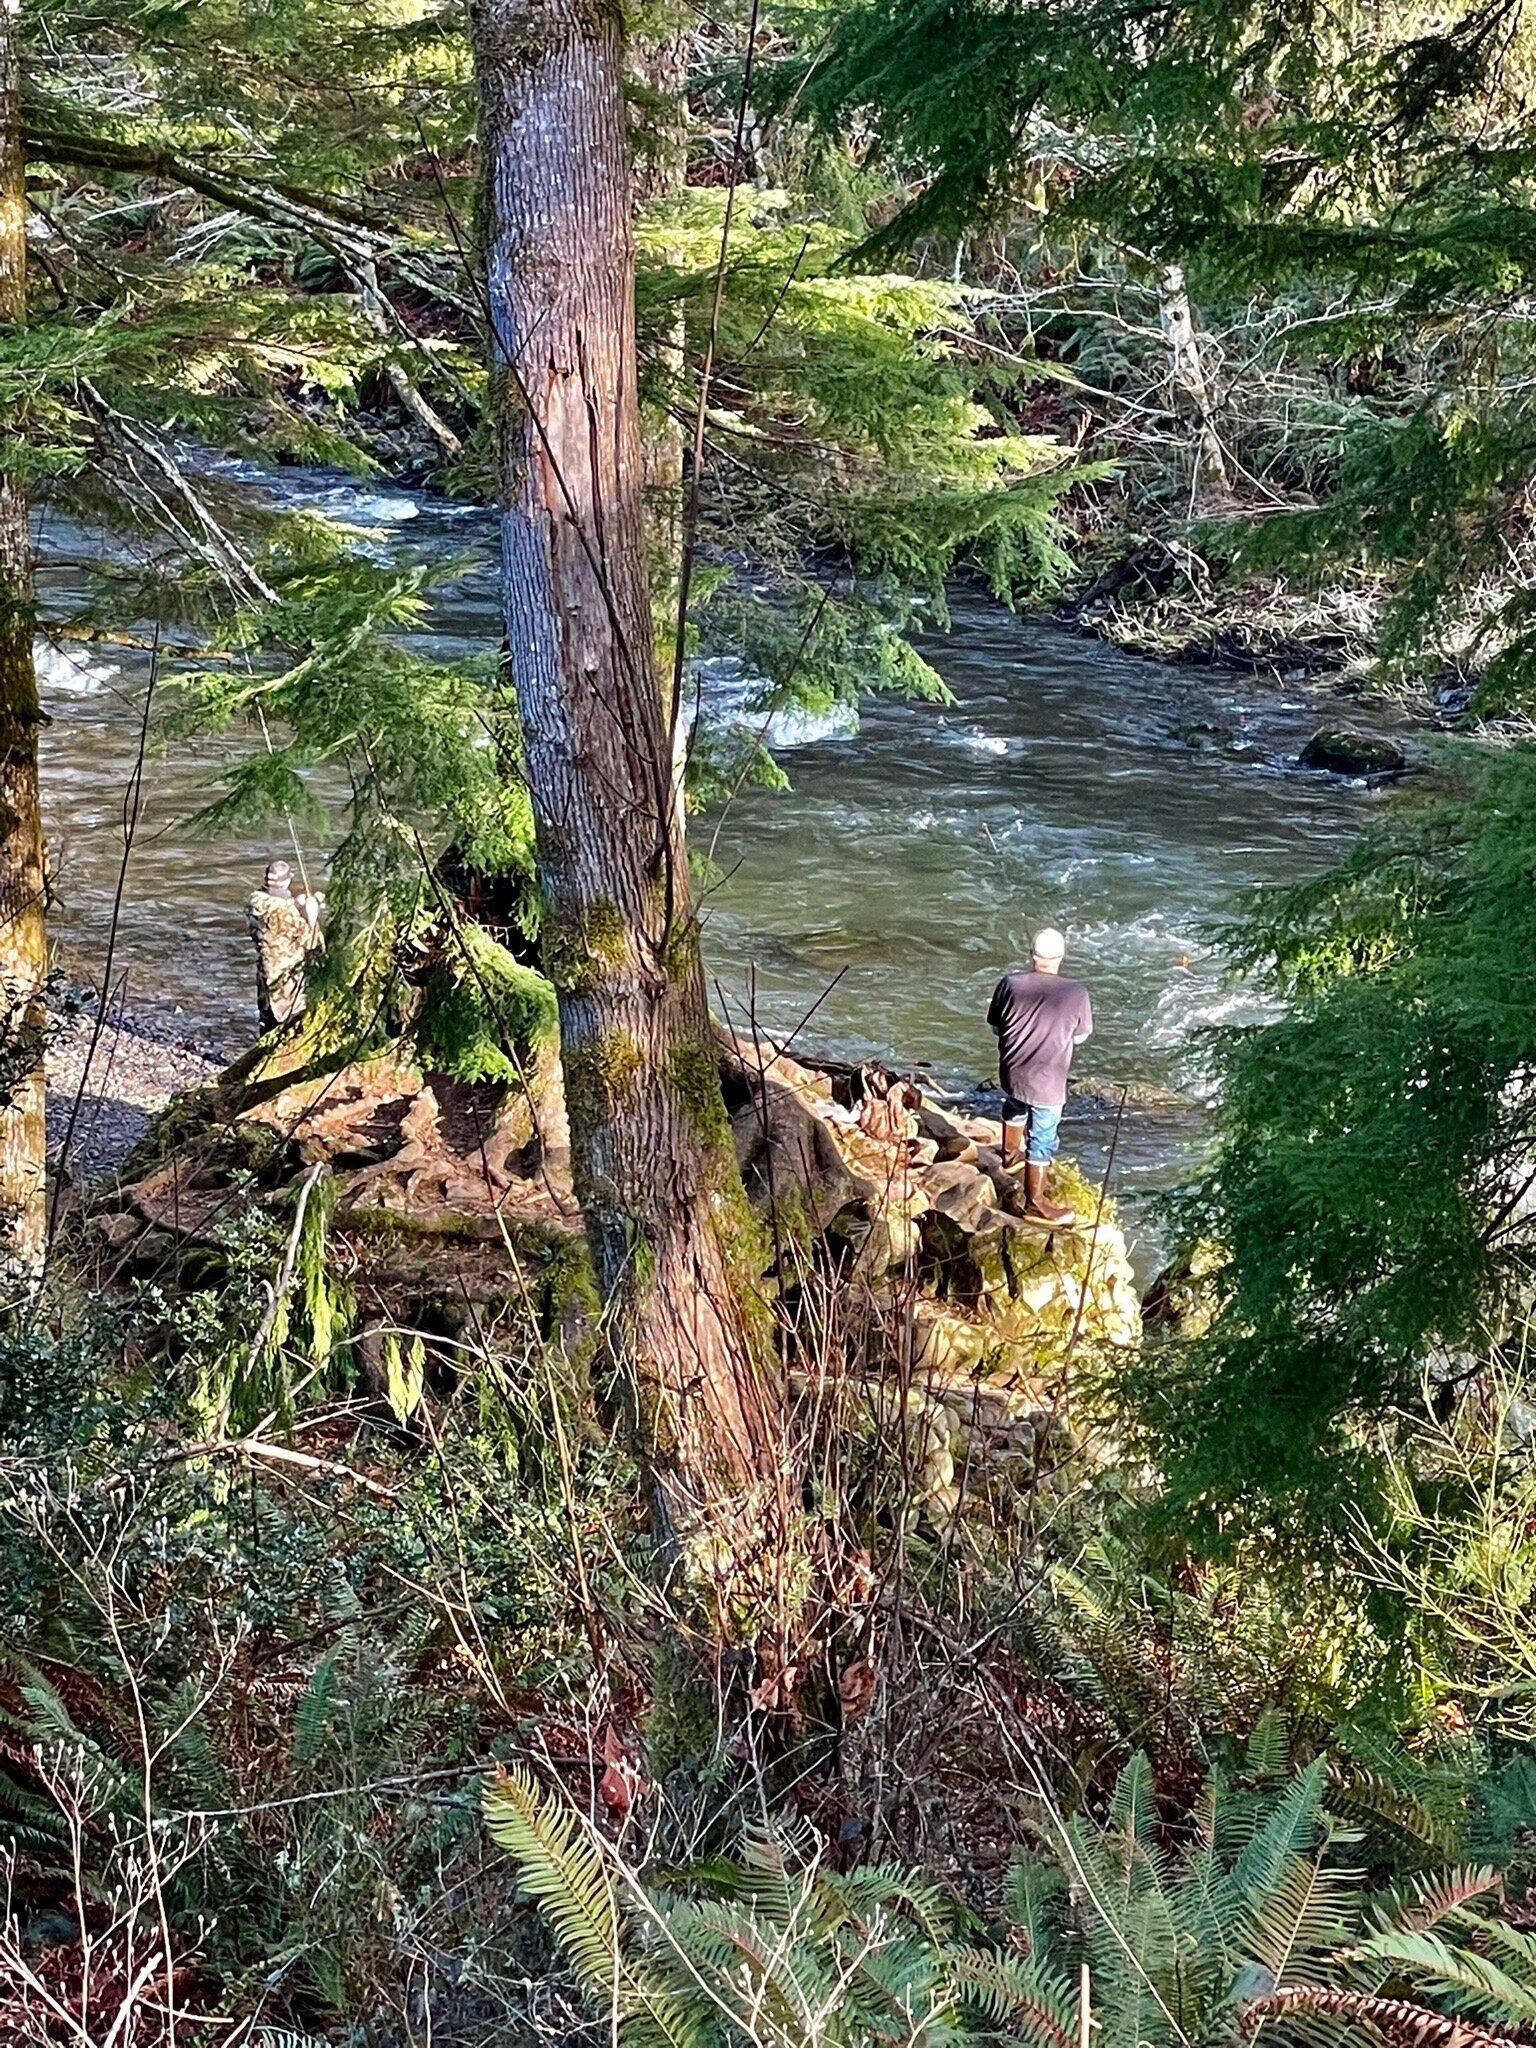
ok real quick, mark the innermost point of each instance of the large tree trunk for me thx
(676, 1252)
(23, 937)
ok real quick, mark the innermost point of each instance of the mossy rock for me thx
(1183, 1299)
(987, 1266)
(1341, 750)
(192, 1130)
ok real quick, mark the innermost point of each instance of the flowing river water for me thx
(878, 900)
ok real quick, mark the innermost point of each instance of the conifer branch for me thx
(281, 205)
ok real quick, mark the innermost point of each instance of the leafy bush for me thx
(243, 1697)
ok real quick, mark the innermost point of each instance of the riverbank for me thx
(109, 1076)
(1162, 600)
(108, 1079)
(867, 910)
(864, 914)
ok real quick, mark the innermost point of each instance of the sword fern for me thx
(1254, 1920)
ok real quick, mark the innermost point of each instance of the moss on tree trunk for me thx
(674, 1246)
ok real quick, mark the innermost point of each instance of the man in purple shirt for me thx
(1040, 1019)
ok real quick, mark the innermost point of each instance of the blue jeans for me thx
(1044, 1128)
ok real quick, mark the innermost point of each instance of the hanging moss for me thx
(484, 1013)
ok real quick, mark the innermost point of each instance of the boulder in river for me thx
(1344, 751)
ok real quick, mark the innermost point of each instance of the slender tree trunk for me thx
(676, 1250)
(364, 274)
(1191, 387)
(23, 937)
(1186, 364)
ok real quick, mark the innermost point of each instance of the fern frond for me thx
(774, 1872)
(1516, 1944)
(1395, 2020)
(1475, 1979)
(1304, 1913)
(322, 1703)
(1429, 1900)
(1131, 1809)
(1208, 1908)
(1034, 1892)
(1268, 1760)
(1035, 2004)
(1392, 1814)
(1290, 1828)
(563, 1872)
(888, 1885)
(571, 1882)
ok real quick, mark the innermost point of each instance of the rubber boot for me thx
(1038, 1206)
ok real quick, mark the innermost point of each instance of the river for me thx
(877, 901)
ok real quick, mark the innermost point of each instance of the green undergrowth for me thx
(1109, 1921)
(380, 1566)
(1249, 1651)
(319, 1654)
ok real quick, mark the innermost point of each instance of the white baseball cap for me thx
(1048, 945)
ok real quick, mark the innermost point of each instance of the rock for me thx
(890, 1240)
(888, 1110)
(955, 1137)
(931, 1440)
(752, 1061)
(1203, 736)
(1007, 1182)
(1344, 751)
(947, 1341)
(116, 1230)
(960, 1193)
(1453, 694)
(1182, 1300)
(791, 1161)
(985, 1262)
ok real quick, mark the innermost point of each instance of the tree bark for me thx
(661, 69)
(1187, 375)
(676, 1251)
(23, 934)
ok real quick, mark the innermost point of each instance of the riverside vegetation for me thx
(529, 1513)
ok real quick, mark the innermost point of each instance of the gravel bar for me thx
(138, 1064)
